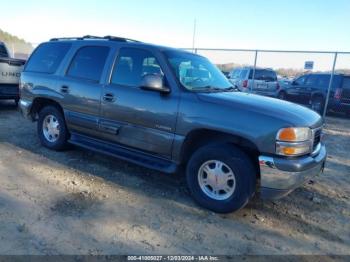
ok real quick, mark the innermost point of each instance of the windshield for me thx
(196, 73)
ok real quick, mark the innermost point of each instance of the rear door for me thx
(81, 88)
(131, 116)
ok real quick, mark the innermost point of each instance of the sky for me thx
(250, 24)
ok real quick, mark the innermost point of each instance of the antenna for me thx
(194, 34)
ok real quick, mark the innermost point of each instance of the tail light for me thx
(245, 84)
(337, 94)
(278, 86)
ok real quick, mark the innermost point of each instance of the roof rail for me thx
(91, 37)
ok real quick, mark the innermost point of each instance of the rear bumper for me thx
(280, 176)
(25, 107)
(9, 91)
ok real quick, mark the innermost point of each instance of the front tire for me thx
(221, 178)
(52, 130)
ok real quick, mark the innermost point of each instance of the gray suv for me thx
(264, 83)
(164, 109)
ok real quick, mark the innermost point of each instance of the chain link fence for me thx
(318, 80)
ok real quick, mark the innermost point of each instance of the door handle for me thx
(64, 89)
(108, 97)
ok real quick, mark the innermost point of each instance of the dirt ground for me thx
(80, 202)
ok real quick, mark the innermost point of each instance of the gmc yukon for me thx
(164, 108)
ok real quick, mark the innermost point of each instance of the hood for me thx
(288, 112)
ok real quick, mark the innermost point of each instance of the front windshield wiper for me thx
(230, 89)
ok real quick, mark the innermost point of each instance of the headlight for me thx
(294, 141)
(294, 134)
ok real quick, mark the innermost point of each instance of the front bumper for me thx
(280, 176)
(25, 107)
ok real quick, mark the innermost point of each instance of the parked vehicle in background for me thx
(10, 71)
(264, 83)
(284, 80)
(311, 90)
(164, 108)
(227, 74)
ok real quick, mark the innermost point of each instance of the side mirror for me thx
(154, 82)
(293, 83)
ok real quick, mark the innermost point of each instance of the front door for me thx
(136, 118)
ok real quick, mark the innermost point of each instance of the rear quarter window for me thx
(47, 57)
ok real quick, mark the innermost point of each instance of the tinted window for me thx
(243, 74)
(235, 73)
(323, 80)
(300, 81)
(262, 74)
(88, 63)
(132, 65)
(312, 80)
(47, 57)
(3, 51)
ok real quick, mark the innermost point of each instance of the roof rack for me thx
(91, 37)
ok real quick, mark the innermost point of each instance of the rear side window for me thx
(3, 51)
(88, 63)
(47, 57)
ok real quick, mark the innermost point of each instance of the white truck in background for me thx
(10, 72)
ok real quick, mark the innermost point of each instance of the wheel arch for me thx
(200, 137)
(40, 102)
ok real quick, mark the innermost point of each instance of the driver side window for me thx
(132, 64)
(300, 81)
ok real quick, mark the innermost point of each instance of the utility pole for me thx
(194, 34)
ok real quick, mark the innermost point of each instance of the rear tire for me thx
(52, 130)
(317, 104)
(206, 174)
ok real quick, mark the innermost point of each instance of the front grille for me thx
(317, 138)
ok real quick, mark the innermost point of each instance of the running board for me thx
(123, 153)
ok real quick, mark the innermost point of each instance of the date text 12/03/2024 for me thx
(173, 258)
